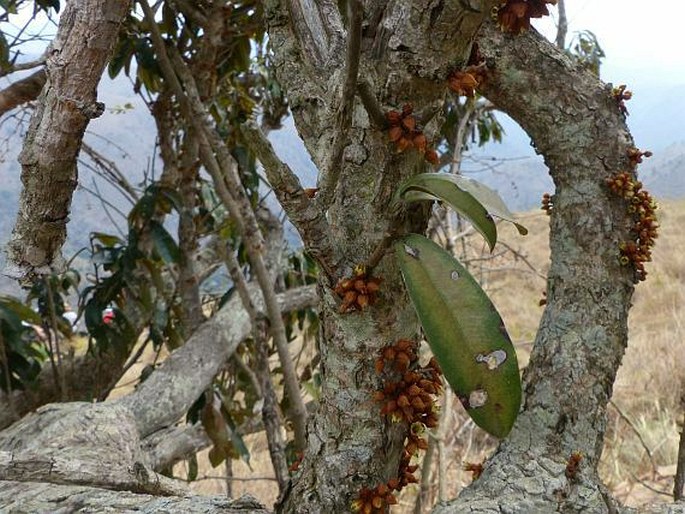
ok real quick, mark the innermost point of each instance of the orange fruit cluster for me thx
(547, 204)
(642, 207)
(621, 95)
(405, 132)
(467, 81)
(514, 15)
(374, 501)
(475, 468)
(573, 465)
(635, 156)
(357, 292)
(410, 399)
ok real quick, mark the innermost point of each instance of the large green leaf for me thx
(465, 332)
(428, 186)
(468, 197)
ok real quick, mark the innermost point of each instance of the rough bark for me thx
(43, 497)
(408, 49)
(76, 59)
(99, 445)
(576, 125)
(170, 391)
(22, 91)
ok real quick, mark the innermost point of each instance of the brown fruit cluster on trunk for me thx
(642, 208)
(357, 292)
(405, 132)
(514, 15)
(411, 399)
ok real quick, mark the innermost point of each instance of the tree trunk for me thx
(576, 125)
(76, 59)
(408, 49)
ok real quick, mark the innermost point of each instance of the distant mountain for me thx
(126, 134)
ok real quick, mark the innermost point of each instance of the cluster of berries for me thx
(466, 82)
(514, 15)
(357, 292)
(621, 95)
(547, 204)
(410, 399)
(404, 131)
(642, 208)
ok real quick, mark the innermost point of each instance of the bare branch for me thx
(331, 175)
(562, 27)
(22, 91)
(52, 144)
(308, 218)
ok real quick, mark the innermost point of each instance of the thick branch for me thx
(309, 220)
(576, 125)
(87, 33)
(46, 497)
(170, 391)
(22, 91)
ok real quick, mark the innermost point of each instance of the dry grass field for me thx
(639, 458)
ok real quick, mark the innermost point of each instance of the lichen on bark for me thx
(75, 62)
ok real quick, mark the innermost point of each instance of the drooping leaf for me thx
(490, 199)
(435, 185)
(165, 245)
(465, 332)
(451, 188)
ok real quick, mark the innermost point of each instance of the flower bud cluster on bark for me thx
(405, 132)
(641, 207)
(514, 15)
(410, 399)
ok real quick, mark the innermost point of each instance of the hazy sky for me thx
(642, 44)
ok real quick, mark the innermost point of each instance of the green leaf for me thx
(451, 189)
(439, 186)
(490, 199)
(465, 332)
(106, 239)
(165, 245)
(22, 311)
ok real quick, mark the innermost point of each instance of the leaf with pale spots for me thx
(465, 332)
(470, 198)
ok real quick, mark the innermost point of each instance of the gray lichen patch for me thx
(492, 360)
(478, 398)
(411, 251)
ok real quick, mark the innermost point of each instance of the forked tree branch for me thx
(222, 168)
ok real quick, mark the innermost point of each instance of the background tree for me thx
(344, 69)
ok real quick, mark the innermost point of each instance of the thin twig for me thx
(331, 175)
(423, 496)
(679, 480)
(635, 430)
(132, 360)
(371, 105)
(222, 168)
(562, 27)
(111, 172)
(262, 382)
(59, 378)
(307, 217)
(646, 485)
(445, 414)
(24, 66)
(233, 479)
